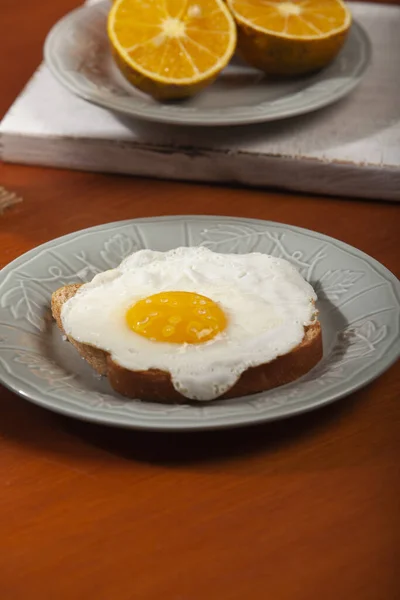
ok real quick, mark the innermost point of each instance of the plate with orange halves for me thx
(209, 62)
(194, 322)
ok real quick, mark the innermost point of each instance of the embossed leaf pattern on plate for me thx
(118, 247)
(357, 351)
(25, 302)
(351, 344)
(333, 284)
(58, 380)
(245, 239)
(28, 297)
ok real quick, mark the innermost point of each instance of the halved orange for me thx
(290, 38)
(171, 48)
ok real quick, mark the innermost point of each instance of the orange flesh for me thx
(297, 18)
(174, 39)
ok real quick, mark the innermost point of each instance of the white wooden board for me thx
(349, 149)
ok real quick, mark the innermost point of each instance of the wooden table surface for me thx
(302, 509)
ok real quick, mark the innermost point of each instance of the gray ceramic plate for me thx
(359, 303)
(77, 53)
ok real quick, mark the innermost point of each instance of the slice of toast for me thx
(156, 386)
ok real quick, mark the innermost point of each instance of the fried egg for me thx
(202, 316)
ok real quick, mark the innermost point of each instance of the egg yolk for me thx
(176, 317)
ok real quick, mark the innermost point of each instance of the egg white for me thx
(265, 299)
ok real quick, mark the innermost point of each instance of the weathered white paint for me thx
(349, 149)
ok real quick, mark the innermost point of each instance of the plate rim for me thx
(157, 116)
(12, 382)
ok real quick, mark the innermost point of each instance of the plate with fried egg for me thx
(194, 322)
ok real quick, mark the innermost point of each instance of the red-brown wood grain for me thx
(302, 509)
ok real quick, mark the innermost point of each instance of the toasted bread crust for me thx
(156, 385)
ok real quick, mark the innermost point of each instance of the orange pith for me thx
(290, 38)
(297, 18)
